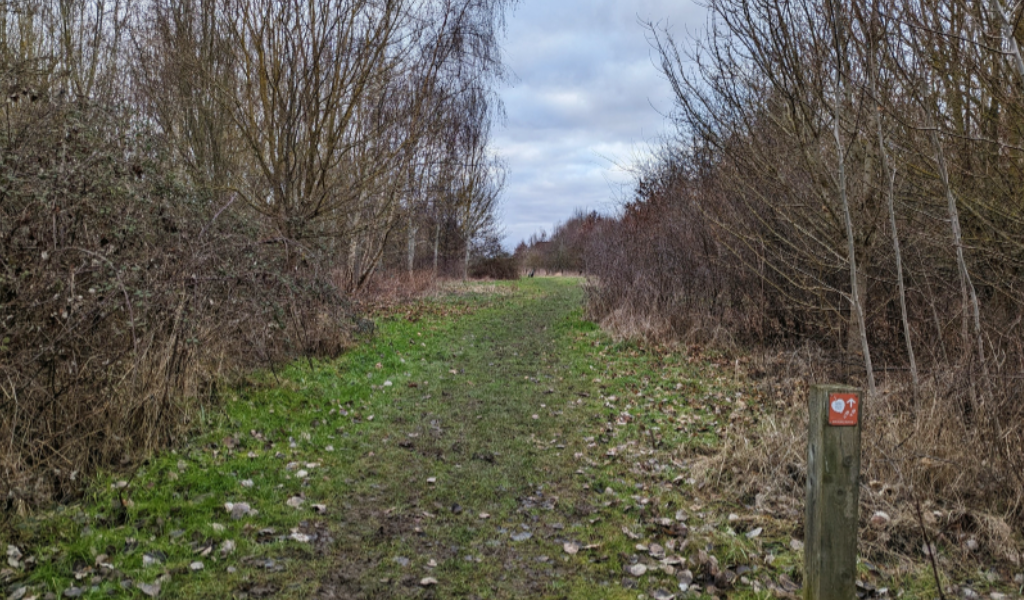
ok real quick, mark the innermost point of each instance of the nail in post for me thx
(833, 470)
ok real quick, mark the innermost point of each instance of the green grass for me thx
(496, 400)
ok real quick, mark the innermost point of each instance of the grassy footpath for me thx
(489, 443)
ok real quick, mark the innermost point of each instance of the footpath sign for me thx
(833, 471)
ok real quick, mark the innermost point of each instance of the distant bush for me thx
(498, 267)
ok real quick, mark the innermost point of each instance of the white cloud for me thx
(588, 98)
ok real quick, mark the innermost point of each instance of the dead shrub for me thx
(124, 303)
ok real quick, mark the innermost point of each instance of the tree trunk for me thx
(890, 193)
(857, 279)
(411, 249)
(437, 243)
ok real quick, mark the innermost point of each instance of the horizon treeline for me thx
(189, 187)
(846, 180)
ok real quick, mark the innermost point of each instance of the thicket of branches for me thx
(848, 177)
(188, 187)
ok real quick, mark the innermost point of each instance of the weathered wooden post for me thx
(833, 470)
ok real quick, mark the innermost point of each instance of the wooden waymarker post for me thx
(833, 470)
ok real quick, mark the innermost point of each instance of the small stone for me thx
(428, 582)
(968, 594)
(971, 544)
(637, 570)
(997, 596)
(571, 548)
(73, 592)
(753, 533)
(796, 545)
(662, 595)
(248, 483)
(295, 502)
(401, 561)
(522, 536)
(227, 547)
(217, 527)
(237, 510)
(880, 519)
(196, 566)
(431, 480)
(150, 589)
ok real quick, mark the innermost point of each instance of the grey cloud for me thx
(582, 103)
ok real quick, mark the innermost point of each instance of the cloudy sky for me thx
(587, 98)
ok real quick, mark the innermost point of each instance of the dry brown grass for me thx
(924, 453)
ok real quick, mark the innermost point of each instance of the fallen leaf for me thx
(484, 515)
(753, 533)
(428, 581)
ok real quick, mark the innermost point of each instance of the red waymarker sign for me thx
(843, 409)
